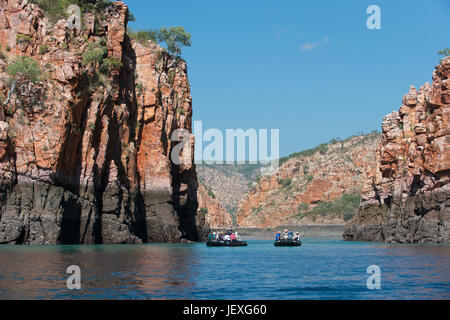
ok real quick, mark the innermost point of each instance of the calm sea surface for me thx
(320, 269)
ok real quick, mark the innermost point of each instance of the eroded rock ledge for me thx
(83, 164)
(406, 198)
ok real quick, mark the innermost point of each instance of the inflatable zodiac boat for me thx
(227, 243)
(287, 243)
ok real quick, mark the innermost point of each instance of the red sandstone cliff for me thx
(84, 161)
(305, 181)
(230, 182)
(216, 216)
(406, 197)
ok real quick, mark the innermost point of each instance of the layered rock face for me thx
(306, 181)
(216, 216)
(84, 162)
(405, 198)
(230, 182)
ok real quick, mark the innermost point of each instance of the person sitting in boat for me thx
(214, 235)
(285, 235)
(220, 236)
(297, 236)
(210, 236)
(278, 236)
(233, 237)
(290, 235)
(227, 237)
(238, 238)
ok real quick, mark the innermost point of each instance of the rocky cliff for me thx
(317, 186)
(85, 154)
(216, 216)
(229, 182)
(406, 196)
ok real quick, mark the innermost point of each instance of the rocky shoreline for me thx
(406, 196)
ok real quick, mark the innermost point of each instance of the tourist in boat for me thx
(285, 235)
(278, 236)
(238, 238)
(227, 237)
(290, 235)
(221, 236)
(297, 236)
(210, 236)
(232, 237)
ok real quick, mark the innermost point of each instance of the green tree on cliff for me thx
(174, 39)
(94, 53)
(144, 36)
(444, 52)
(22, 70)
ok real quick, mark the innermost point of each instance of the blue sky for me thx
(309, 68)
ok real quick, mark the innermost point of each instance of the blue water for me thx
(320, 269)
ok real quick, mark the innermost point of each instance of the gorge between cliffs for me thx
(85, 150)
(389, 187)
